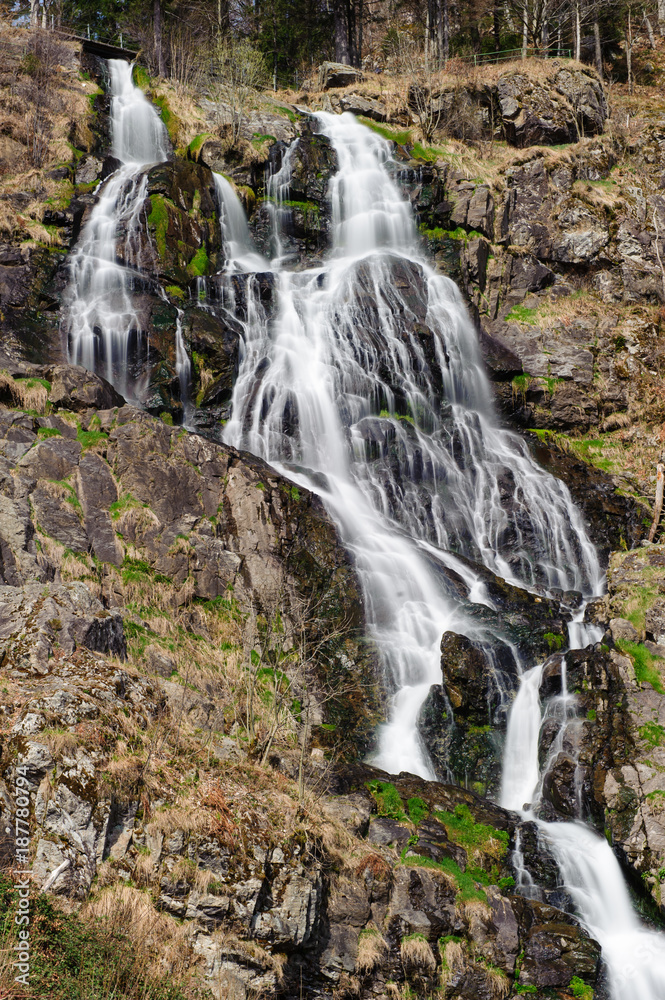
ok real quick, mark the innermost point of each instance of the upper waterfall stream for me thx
(365, 385)
(99, 313)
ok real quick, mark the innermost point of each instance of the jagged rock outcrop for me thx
(116, 489)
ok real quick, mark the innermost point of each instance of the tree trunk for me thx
(439, 33)
(359, 52)
(661, 17)
(34, 13)
(525, 31)
(545, 34)
(629, 53)
(597, 47)
(647, 24)
(578, 33)
(341, 32)
(658, 506)
(446, 31)
(351, 31)
(157, 24)
(496, 25)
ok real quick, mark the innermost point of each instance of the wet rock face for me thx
(303, 217)
(462, 721)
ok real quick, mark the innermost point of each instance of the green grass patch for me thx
(258, 138)
(417, 809)
(449, 234)
(123, 503)
(76, 959)
(554, 641)
(32, 383)
(387, 415)
(89, 439)
(466, 881)
(70, 493)
(427, 153)
(473, 837)
(176, 292)
(652, 734)
(48, 432)
(388, 801)
(644, 664)
(402, 138)
(580, 989)
(140, 571)
(521, 314)
(281, 110)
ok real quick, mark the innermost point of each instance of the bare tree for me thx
(240, 71)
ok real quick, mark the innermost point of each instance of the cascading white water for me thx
(99, 313)
(347, 382)
(330, 392)
(591, 874)
(240, 249)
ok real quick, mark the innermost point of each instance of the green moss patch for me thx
(89, 439)
(653, 734)
(199, 264)
(402, 138)
(159, 219)
(169, 117)
(141, 78)
(387, 798)
(196, 144)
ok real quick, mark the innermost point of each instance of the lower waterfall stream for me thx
(365, 385)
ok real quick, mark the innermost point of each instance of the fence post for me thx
(88, 31)
(121, 39)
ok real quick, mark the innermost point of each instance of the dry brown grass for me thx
(371, 950)
(61, 742)
(452, 960)
(159, 940)
(28, 394)
(416, 953)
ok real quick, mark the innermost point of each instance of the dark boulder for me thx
(75, 388)
(333, 74)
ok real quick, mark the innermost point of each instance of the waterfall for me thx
(99, 317)
(342, 390)
(346, 383)
(590, 872)
(240, 250)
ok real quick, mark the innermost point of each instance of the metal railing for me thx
(81, 32)
(506, 55)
